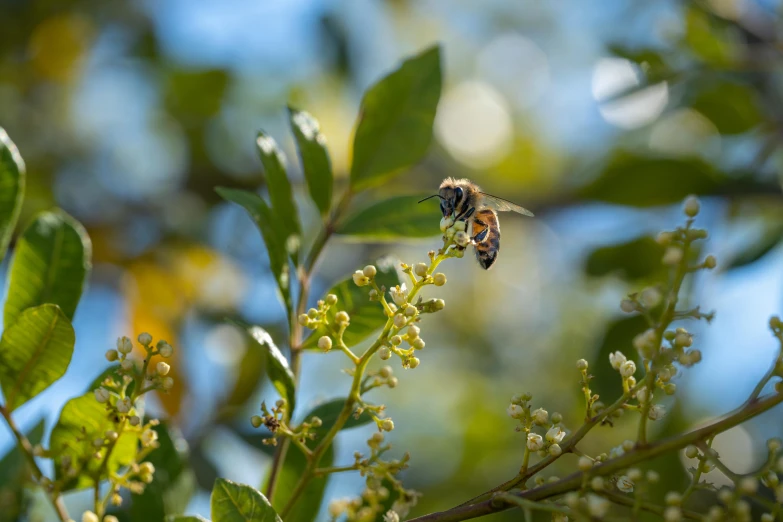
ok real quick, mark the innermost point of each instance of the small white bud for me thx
(400, 320)
(413, 362)
(627, 306)
(165, 349)
(148, 437)
(710, 262)
(672, 514)
(126, 365)
(134, 420)
(515, 411)
(124, 345)
(555, 450)
(439, 279)
(102, 395)
(672, 256)
(581, 364)
(635, 474)
(657, 411)
(461, 238)
(597, 483)
(534, 442)
(325, 343)
(167, 383)
(617, 359)
(420, 269)
(386, 372)
(460, 225)
(418, 343)
(144, 338)
(124, 405)
(369, 271)
(331, 299)
(597, 506)
(162, 368)
(413, 331)
(342, 318)
(650, 297)
(652, 476)
(445, 223)
(585, 464)
(691, 206)
(625, 484)
(111, 435)
(627, 445)
(112, 355)
(384, 354)
(627, 369)
(691, 452)
(387, 425)
(673, 498)
(256, 421)
(89, 516)
(540, 416)
(748, 485)
(410, 310)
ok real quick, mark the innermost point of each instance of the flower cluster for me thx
(552, 431)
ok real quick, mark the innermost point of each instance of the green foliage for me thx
(314, 156)
(171, 487)
(51, 264)
(328, 412)
(618, 336)
(706, 38)
(309, 501)
(771, 237)
(277, 368)
(14, 477)
(732, 107)
(645, 181)
(34, 352)
(395, 120)
(366, 316)
(12, 182)
(186, 518)
(392, 219)
(81, 421)
(280, 195)
(239, 503)
(262, 216)
(637, 259)
(250, 371)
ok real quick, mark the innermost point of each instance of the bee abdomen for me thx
(488, 247)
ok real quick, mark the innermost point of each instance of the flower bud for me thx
(413, 362)
(112, 355)
(628, 445)
(515, 411)
(303, 320)
(438, 305)
(462, 238)
(392, 382)
(395, 340)
(555, 450)
(410, 310)
(98, 443)
(162, 368)
(331, 299)
(657, 411)
(360, 279)
(627, 306)
(597, 506)
(664, 238)
(540, 417)
(439, 279)
(126, 365)
(116, 500)
(387, 425)
(445, 223)
(625, 484)
(89, 516)
(420, 269)
(581, 364)
(650, 297)
(585, 463)
(167, 383)
(748, 485)
(102, 395)
(342, 318)
(312, 313)
(672, 256)
(111, 435)
(683, 339)
(418, 343)
(617, 359)
(400, 320)
(124, 405)
(691, 206)
(652, 476)
(369, 271)
(325, 343)
(413, 331)
(534, 442)
(256, 421)
(124, 345)
(144, 338)
(710, 262)
(672, 514)
(557, 418)
(635, 474)
(627, 369)
(691, 452)
(134, 420)
(165, 349)
(597, 483)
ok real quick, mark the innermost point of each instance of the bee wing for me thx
(503, 205)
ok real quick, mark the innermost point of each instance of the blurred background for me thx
(598, 116)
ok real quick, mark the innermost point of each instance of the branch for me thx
(643, 453)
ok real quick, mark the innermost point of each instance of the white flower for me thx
(148, 437)
(124, 405)
(597, 506)
(627, 369)
(555, 435)
(617, 359)
(89, 516)
(515, 411)
(535, 442)
(162, 368)
(391, 516)
(124, 345)
(102, 395)
(657, 411)
(624, 484)
(540, 416)
(399, 294)
(360, 279)
(145, 338)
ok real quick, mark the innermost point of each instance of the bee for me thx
(462, 200)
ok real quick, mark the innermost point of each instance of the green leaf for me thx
(770, 238)
(249, 375)
(309, 502)
(393, 218)
(240, 503)
(283, 206)
(12, 181)
(366, 316)
(643, 181)
(34, 352)
(314, 155)
(706, 38)
(50, 265)
(170, 461)
(618, 336)
(636, 259)
(732, 107)
(81, 421)
(266, 222)
(394, 129)
(15, 477)
(277, 368)
(328, 412)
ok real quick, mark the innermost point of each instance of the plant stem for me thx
(646, 506)
(27, 450)
(640, 454)
(305, 274)
(529, 504)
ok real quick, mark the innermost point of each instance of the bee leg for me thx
(464, 216)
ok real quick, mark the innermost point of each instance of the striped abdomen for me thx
(486, 237)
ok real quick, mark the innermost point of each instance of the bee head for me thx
(455, 195)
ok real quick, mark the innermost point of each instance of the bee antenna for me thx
(433, 196)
